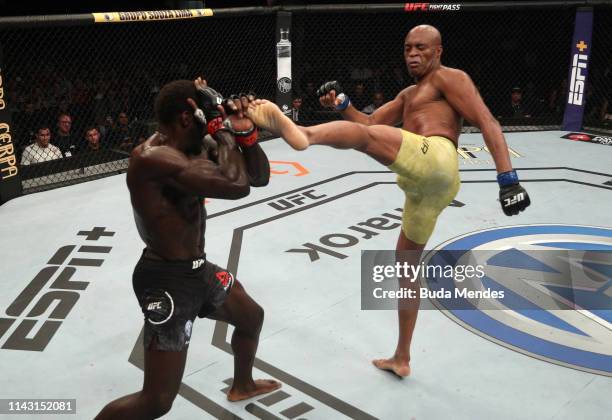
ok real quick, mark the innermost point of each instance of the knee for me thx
(160, 404)
(257, 317)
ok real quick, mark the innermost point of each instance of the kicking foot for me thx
(268, 116)
(401, 369)
(258, 387)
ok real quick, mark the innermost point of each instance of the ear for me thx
(439, 51)
(185, 119)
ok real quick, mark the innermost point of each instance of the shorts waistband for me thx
(190, 264)
(441, 137)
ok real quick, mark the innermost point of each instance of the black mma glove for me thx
(244, 138)
(512, 196)
(334, 85)
(207, 113)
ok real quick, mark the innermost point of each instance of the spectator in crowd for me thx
(92, 139)
(107, 127)
(378, 98)
(296, 110)
(310, 100)
(555, 100)
(41, 150)
(81, 98)
(606, 110)
(64, 137)
(360, 73)
(127, 134)
(593, 105)
(359, 98)
(25, 123)
(516, 108)
(398, 82)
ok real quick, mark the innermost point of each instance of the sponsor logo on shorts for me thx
(425, 146)
(579, 338)
(284, 85)
(154, 305)
(188, 327)
(163, 307)
(225, 278)
(198, 263)
(589, 138)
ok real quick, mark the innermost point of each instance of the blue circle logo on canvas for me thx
(566, 322)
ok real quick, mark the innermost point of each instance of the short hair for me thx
(172, 100)
(89, 128)
(41, 126)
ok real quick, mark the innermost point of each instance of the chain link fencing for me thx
(89, 89)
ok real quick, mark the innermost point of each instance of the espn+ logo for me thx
(51, 295)
(577, 79)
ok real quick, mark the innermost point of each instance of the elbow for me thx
(260, 181)
(489, 124)
(240, 190)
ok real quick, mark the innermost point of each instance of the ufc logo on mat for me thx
(513, 200)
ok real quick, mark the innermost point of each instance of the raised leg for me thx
(381, 142)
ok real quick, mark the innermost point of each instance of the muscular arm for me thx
(390, 113)
(257, 165)
(462, 95)
(198, 175)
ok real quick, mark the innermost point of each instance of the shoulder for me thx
(149, 154)
(405, 92)
(448, 75)
(156, 160)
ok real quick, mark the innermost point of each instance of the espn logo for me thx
(576, 91)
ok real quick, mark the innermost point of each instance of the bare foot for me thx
(259, 386)
(268, 116)
(401, 369)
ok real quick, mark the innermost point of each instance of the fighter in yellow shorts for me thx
(422, 153)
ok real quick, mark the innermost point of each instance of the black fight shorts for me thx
(172, 293)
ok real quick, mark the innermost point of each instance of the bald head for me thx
(422, 50)
(427, 32)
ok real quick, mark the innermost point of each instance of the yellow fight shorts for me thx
(427, 171)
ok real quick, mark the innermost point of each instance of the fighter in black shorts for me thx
(167, 177)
